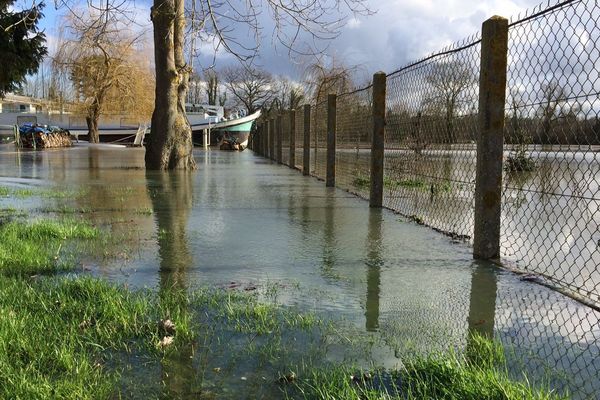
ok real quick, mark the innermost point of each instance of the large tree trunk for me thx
(170, 144)
(92, 124)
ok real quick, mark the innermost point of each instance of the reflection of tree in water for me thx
(515, 182)
(374, 247)
(171, 195)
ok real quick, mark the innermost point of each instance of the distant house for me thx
(13, 103)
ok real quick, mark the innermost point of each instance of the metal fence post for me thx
(306, 144)
(292, 161)
(331, 122)
(490, 143)
(272, 138)
(378, 140)
(279, 135)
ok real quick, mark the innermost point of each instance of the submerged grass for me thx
(364, 182)
(28, 248)
(57, 335)
(51, 193)
(478, 373)
(72, 337)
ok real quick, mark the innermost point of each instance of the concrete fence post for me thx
(490, 141)
(306, 144)
(272, 138)
(378, 140)
(331, 133)
(279, 135)
(292, 159)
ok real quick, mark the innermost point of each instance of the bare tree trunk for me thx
(92, 124)
(170, 145)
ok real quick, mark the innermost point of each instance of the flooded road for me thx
(242, 221)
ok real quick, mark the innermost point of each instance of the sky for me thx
(399, 32)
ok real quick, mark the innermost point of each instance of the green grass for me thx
(364, 182)
(51, 193)
(244, 313)
(58, 336)
(75, 337)
(479, 373)
(37, 247)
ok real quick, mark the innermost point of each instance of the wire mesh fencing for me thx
(299, 148)
(319, 139)
(430, 151)
(285, 137)
(551, 199)
(353, 141)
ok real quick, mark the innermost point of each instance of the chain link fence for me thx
(430, 152)
(299, 148)
(550, 199)
(285, 142)
(319, 139)
(550, 214)
(353, 141)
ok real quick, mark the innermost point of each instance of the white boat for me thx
(210, 127)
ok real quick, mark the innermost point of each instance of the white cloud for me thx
(354, 23)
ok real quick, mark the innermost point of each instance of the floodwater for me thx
(550, 216)
(240, 218)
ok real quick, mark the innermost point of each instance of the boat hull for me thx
(107, 135)
(237, 130)
(216, 136)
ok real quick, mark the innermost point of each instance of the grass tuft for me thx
(479, 373)
(32, 248)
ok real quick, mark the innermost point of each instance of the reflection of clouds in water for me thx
(550, 332)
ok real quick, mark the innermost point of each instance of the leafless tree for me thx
(299, 26)
(251, 87)
(448, 81)
(212, 87)
(286, 94)
(170, 145)
(196, 89)
(322, 79)
(100, 56)
(554, 97)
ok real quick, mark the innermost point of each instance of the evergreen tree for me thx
(22, 44)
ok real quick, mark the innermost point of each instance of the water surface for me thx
(241, 220)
